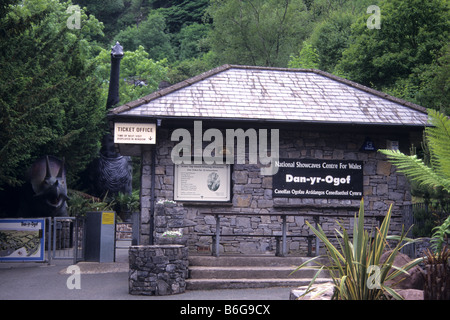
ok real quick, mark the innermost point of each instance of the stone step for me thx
(239, 272)
(243, 283)
(232, 272)
(257, 260)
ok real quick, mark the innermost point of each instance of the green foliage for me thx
(424, 223)
(80, 203)
(434, 83)
(308, 58)
(323, 9)
(440, 234)
(123, 204)
(351, 262)
(180, 13)
(134, 12)
(397, 56)
(118, 15)
(48, 97)
(408, 57)
(126, 203)
(185, 69)
(192, 41)
(257, 32)
(151, 34)
(108, 12)
(331, 37)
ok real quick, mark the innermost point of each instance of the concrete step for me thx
(242, 283)
(232, 272)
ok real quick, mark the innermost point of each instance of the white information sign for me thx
(135, 133)
(203, 182)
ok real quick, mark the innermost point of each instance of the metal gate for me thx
(66, 239)
(127, 233)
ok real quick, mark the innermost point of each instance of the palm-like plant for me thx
(356, 267)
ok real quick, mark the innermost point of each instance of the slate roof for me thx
(274, 94)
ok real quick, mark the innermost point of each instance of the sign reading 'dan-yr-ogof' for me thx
(135, 133)
(311, 178)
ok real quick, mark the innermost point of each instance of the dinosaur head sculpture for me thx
(48, 180)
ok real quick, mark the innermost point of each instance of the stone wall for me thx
(158, 269)
(252, 194)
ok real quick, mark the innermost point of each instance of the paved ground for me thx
(23, 281)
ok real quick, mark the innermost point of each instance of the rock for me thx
(411, 294)
(242, 201)
(323, 291)
(384, 168)
(162, 288)
(412, 281)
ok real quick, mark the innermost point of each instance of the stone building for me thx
(254, 143)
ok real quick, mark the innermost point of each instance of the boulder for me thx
(411, 294)
(412, 281)
(323, 291)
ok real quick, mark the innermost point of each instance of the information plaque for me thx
(202, 182)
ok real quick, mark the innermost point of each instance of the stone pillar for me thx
(158, 269)
(169, 217)
(146, 181)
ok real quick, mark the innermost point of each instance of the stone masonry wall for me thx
(157, 270)
(252, 194)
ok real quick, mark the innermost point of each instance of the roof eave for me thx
(154, 118)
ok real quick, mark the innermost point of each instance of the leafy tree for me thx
(331, 37)
(179, 13)
(323, 8)
(48, 97)
(107, 11)
(434, 83)
(134, 13)
(182, 70)
(257, 32)
(308, 58)
(192, 41)
(151, 34)
(412, 34)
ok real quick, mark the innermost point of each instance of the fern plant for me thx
(437, 175)
(440, 234)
